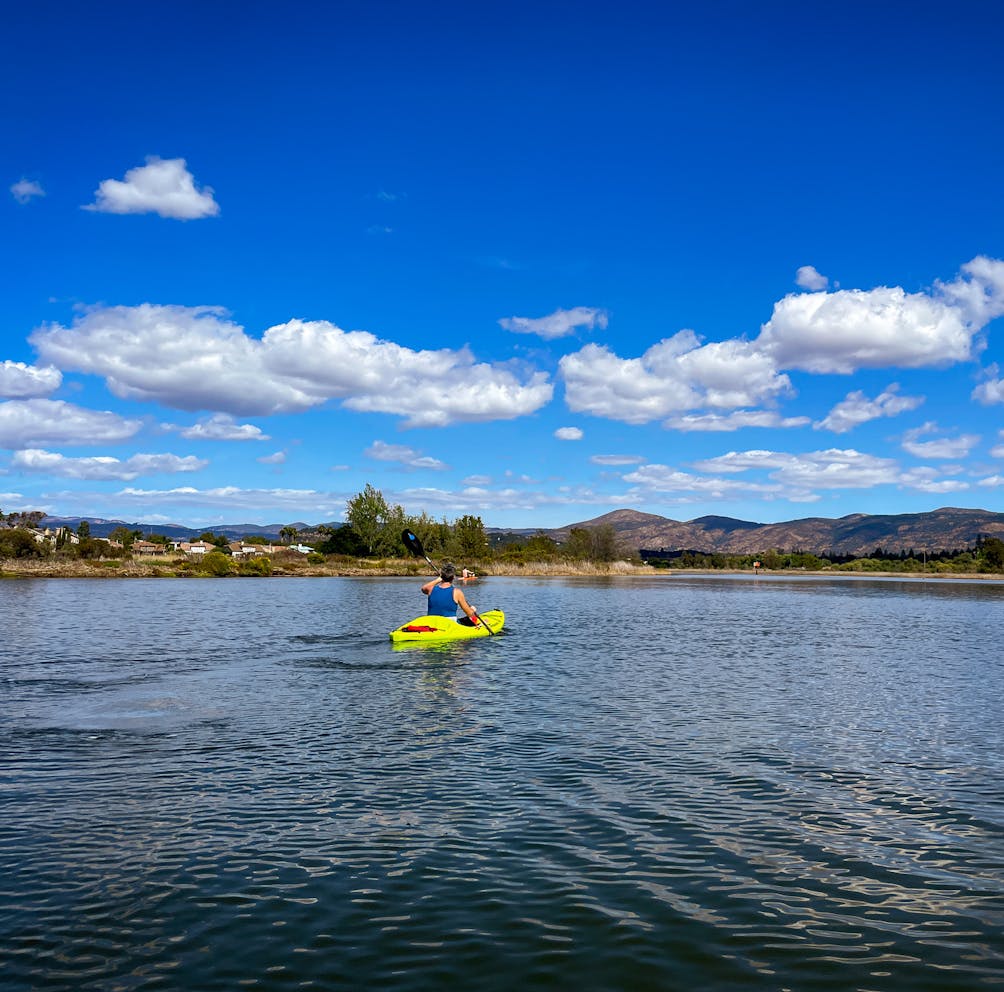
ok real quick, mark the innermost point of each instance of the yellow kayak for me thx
(432, 629)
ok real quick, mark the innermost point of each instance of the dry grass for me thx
(173, 566)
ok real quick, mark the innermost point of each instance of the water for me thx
(676, 783)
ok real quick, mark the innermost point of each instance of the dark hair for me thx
(448, 572)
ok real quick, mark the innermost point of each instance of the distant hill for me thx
(856, 534)
(102, 528)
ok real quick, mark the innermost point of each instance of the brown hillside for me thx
(857, 534)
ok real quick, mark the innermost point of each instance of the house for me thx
(196, 548)
(147, 548)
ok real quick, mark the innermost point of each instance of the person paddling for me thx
(444, 598)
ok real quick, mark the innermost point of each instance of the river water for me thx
(676, 783)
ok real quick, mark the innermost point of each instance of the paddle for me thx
(414, 545)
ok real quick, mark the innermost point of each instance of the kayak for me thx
(446, 628)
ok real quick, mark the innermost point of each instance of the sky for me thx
(531, 262)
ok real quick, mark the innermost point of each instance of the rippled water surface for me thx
(676, 783)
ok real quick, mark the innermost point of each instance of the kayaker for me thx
(444, 598)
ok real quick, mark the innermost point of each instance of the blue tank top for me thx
(441, 602)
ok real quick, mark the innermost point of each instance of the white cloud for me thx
(221, 427)
(992, 482)
(568, 434)
(193, 358)
(735, 421)
(808, 278)
(37, 422)
(857, 409)
(102, 467)
(477, 480)
(846, 330)
(662, 478)
(230, 498)
(833, 468)
(613, 460)
(558, 324)
(381, 451)
(162, 186)
(677, 373)
(25, 189)
(943, 448)
(992, 389)
(276, 458)
(20, 381)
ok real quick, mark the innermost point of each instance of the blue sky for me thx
(532, 262)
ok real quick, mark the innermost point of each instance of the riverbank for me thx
(169, 567)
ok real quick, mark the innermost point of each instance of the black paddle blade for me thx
(412, 543)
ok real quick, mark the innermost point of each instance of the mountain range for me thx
(856, 534)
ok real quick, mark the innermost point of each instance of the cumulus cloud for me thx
(734, 421)
(559, 324)
(808, 278)
(381, 451)
(194, 358)
(50, 463)
(35, 423)
(221, 427)
(834, 468)
(276, 458)
(675, 374)
(568, 434)
(663, 479)
(20, 381)
(943, 447)
(821, 332)
(857, 409)
(847, 330)
(26, 189)
(991, 390)
(162, 186)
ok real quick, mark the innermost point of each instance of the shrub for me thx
(255, 566)
(216, 563)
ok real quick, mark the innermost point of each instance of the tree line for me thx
(373, 529)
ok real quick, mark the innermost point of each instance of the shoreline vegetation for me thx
(371, 543)
(170, 567)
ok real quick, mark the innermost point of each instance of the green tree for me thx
(579, 544)
(124, 536)
(367, 513)
(83, 530)
(17, 542)
(992, 553)
(604, 543)
(288, 534)
(540, 547)
(469, 540)
(389, 542)
(342, 540)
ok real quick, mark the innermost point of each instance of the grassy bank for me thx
(170, 567)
